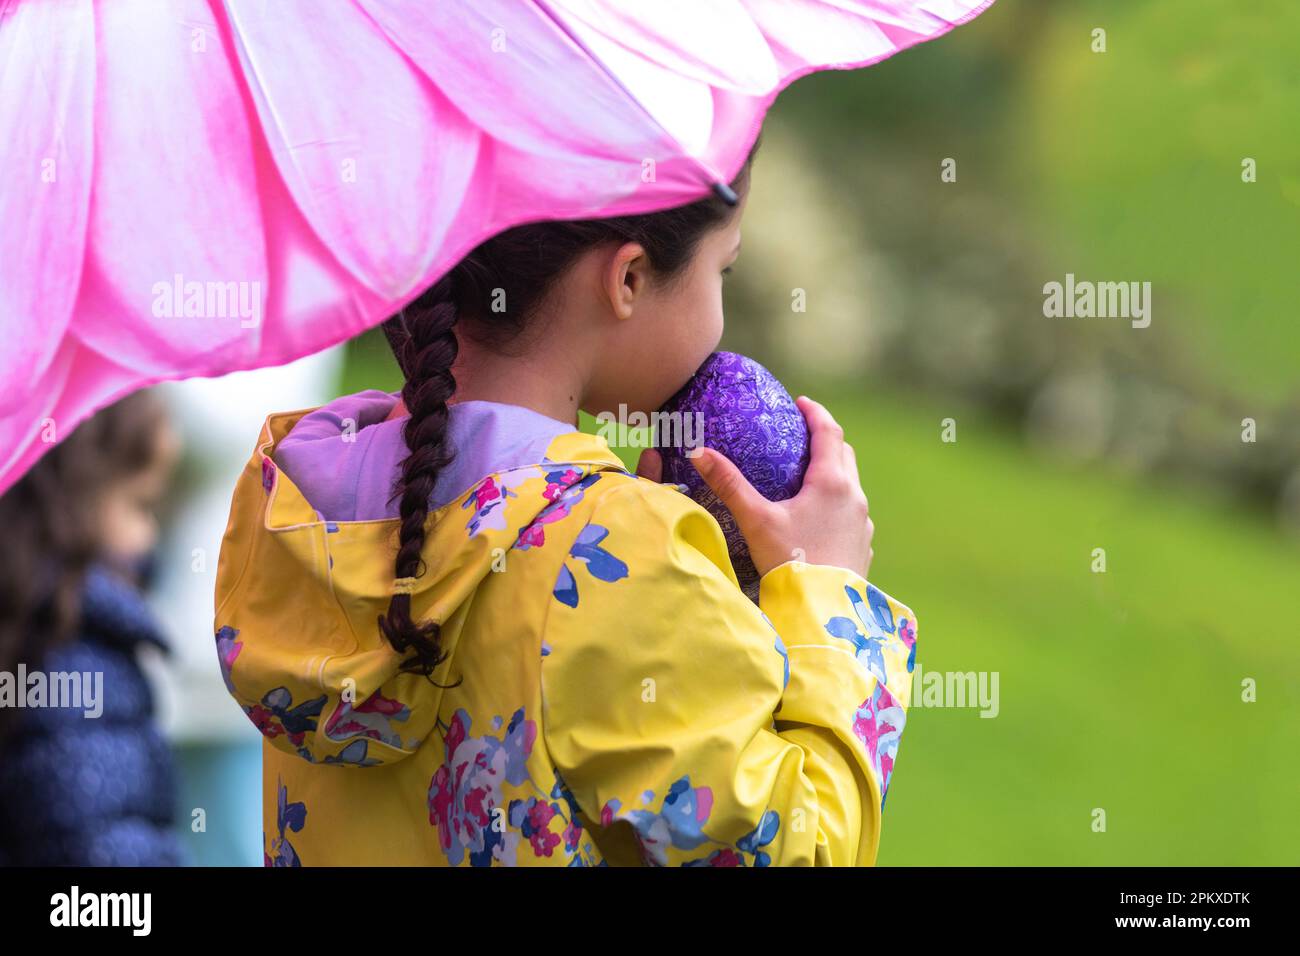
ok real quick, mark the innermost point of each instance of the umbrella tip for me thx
(726, 193)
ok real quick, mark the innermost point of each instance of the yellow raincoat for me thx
(610, 696)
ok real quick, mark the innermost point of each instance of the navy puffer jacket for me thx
(79, 791)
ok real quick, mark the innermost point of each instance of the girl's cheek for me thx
(718, 321)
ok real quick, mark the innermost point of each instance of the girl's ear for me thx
(625, 277)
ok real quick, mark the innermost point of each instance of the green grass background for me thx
(1120, 691)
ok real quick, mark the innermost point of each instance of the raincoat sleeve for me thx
(702, 730)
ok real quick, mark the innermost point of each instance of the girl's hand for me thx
(650, 465)
(825, 523)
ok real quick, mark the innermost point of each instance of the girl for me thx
(469, 636)
(86, 786)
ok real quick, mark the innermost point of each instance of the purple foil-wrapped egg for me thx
(736, 406)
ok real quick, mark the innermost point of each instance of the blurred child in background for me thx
(79, 530)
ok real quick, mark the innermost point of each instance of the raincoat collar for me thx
(461, 536)
(288, 508)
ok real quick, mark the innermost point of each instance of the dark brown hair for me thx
(518, 267)
(51, 526)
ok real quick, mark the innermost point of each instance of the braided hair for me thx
(428, 347)
(517, 267)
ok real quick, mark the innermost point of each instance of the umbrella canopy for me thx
(203, 186)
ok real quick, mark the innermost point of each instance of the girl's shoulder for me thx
(653, 520)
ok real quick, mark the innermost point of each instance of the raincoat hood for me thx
(317, 587)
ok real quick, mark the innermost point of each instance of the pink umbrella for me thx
(203, 186)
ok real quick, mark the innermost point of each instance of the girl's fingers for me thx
(827, 440)
(852, 473)
(734, 490)
(650, 465)
(851, 466)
